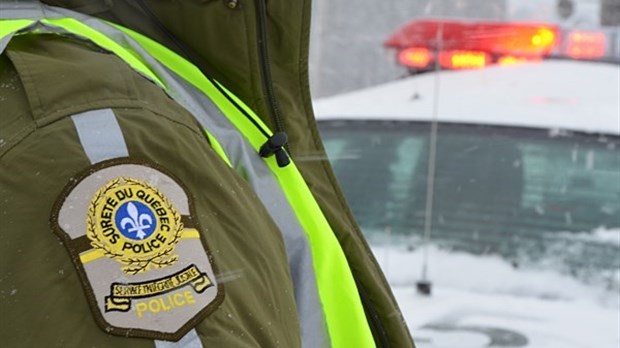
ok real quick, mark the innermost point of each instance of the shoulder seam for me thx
(114, 104)
(7, 145)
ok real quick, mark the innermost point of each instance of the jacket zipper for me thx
(265, 67)
(276, 143)
(274, 110)
(188, 54)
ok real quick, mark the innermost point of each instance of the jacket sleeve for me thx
(46, 82)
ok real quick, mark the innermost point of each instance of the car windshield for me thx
(500, 190)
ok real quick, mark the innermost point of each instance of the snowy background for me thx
(477, 300)
(474, 295)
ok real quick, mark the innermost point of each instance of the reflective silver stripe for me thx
(102, 139)
(190, 340)
(22, 10)
(5, 41)
(100, 135)
(245, 160)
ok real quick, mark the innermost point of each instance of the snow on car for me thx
(518, 227)
(554, 95)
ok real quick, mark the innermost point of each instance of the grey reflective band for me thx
(244, 160)
(100, 135)
(24, 10)
(190, 340)
(5, 41)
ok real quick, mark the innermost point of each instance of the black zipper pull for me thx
(275, 145)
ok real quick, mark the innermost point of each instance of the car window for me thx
(375, 170)
(495, 187)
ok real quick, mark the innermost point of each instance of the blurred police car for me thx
(517, 164)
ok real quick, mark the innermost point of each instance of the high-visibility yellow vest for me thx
(212, 105)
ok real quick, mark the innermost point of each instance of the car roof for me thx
(569, 95)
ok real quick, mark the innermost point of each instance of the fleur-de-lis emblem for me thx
(137, 222)
(144, 243)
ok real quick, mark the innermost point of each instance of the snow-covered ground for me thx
(484, 301)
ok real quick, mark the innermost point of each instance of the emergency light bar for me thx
(450, 44)
(586, 45)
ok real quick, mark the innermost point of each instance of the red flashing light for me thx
(415, 57)
(514, 60)
(496, 38)
(459, 59)
(586, 45)
(543, 38)
(518, 39)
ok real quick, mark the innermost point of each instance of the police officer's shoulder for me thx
(45, 78)
(15, 117)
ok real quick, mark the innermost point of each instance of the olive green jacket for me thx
(259, 50)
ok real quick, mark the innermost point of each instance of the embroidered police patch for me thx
(135, 224)
(139, 253)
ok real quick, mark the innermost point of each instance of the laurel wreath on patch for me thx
(133, 265)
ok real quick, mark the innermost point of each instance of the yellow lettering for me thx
(164, 304)
(178, 300)
(154, 306)
(140, 308)
(189, 297)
